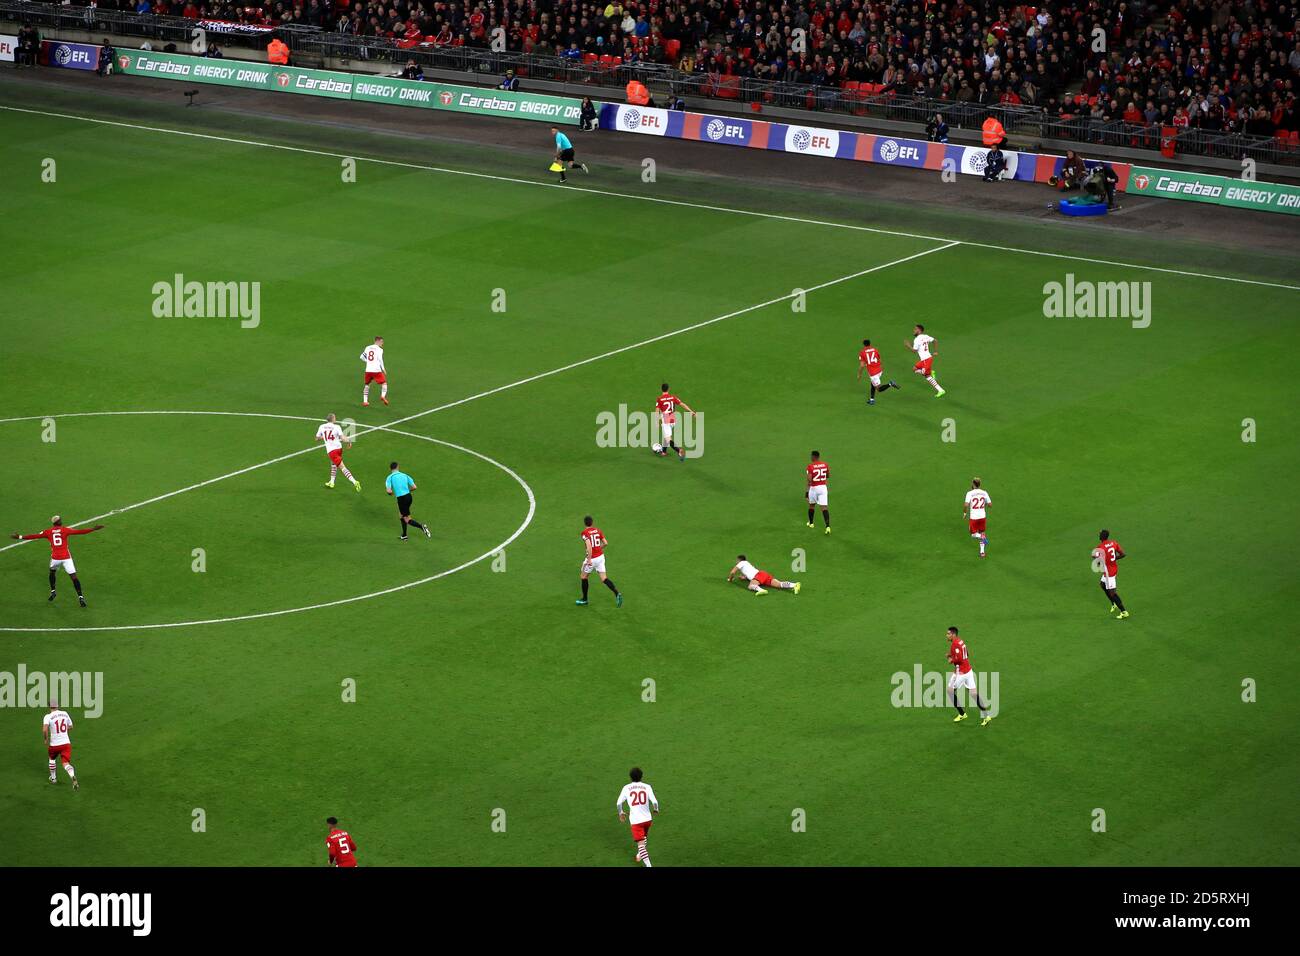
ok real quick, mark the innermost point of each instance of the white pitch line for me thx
(654, 199)
(528, 520)
(363, 429)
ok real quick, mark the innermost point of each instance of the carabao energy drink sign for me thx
(349, 86)
(1218, 190)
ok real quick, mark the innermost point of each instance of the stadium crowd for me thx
(1210, 64)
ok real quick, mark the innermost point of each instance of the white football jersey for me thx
(332, 434)
(639, 797)
(977, 499)
(921, 346)
(373, 356)
(59, 724)
(748, 570)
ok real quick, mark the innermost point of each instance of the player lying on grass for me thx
(60, 556)
(759, 580)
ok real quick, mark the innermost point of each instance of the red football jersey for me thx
(667, 405)
(58, 538)
(818, 472)
(341, 849)
(595, 540)
(871, 358)
(1109, 551)
(959, 655)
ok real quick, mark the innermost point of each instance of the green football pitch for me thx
(494, 721)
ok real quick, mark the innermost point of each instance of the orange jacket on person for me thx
(277, 51)
(637, 94)
(993, 132)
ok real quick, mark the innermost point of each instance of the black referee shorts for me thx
(404, 505)
(566, 155)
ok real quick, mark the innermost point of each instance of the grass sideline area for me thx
(488, 689)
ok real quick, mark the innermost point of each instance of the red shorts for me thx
(639, 830)
(763, 579)
(977, 525)
(62, 750)
(336, 456)
(375, 377)
(924, 366)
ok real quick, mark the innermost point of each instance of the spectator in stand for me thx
(675, 102)
(214, 52)
(936, 131)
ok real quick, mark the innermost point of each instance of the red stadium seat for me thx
(672, 49)
(590, 58)
(729, 87)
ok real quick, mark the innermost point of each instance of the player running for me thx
(975, 510)
(60, 556)
(564, 153)
(963, 676)
(373, 356)
(818, 472)
(759, 580)
(339, 845)
(666, 406)
(920, 344)
(1109, 553)
(400, 485)
(869, 359)
(641, 807)
(58, 744)
(595, 542)
(331, 433)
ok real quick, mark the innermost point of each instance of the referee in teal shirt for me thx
(564, 153)
(401, 484)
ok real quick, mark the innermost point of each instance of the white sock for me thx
(365, 393)
(72, 774)
(930, 379)
(347, 474)
(334, 470)
(51, 769)
(383, 390)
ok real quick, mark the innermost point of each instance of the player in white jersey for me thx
(57, 742)
(758, 579)
(920, 344)
(974, 510)
(641, 807)
(373, 356)
(331, 433)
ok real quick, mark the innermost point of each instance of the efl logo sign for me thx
(719, 130)
(71, 56)
(902, 154)
(818, 142)
(653, 122)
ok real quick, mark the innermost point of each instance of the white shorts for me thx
(665, 432)
(1108, 582)
(65, 563)
(596, 564)
(957, 681)
(817, 495)
(875, 379)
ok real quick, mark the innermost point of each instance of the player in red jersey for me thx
(340, 846)
(869, 359)
(666, 405)
(594, 541)
(963, 676)
(818, 473)
(60, 556)
(757, 580)
(1109, 553)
